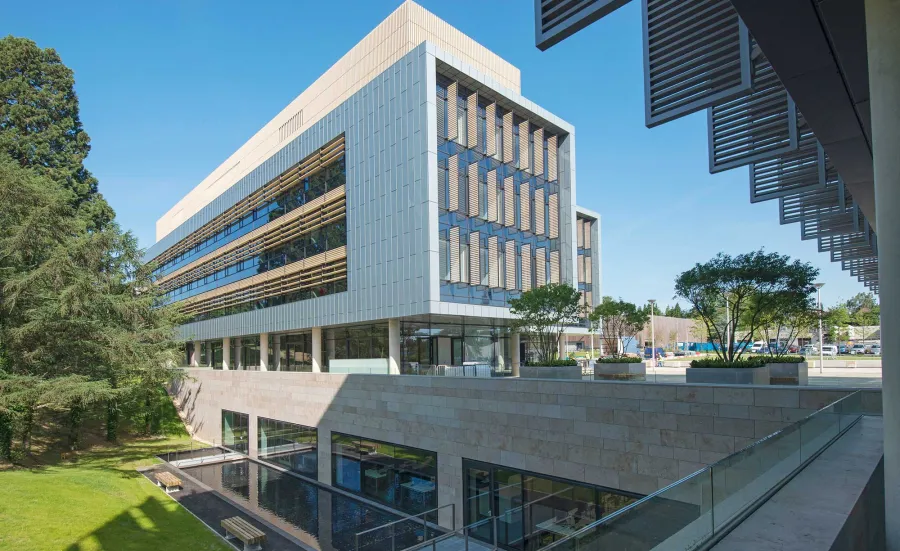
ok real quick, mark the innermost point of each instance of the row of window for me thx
(328, 178)
(319, 240)
(528, 511)
(475, 263)
(305, 294)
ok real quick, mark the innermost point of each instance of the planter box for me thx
(789, 374)
(548, 372)
(728, 375)
(625, 371)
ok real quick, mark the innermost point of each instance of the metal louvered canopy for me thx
(696, 55)
(556, 20)
(788, 173)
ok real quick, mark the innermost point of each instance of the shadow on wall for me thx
(185, 398)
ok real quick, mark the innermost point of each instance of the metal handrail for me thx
(704, 471)
(412, 518)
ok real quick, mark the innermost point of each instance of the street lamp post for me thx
(652, 333)
(819, 302)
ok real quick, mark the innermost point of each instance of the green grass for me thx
(97, 501)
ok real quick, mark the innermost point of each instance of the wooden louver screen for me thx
(454, 254)
(474, 258)
(492, 196)
(493, 262)
(538, 151)
(508, 154)
(551, 159)
(587, 270)
(510, 264)
(539, 211)
(553, 207)
(474, 206)
(540, 266)
(523, 145)
(490, 119)
(526, 267)
(452, 93)
(554, 266)
(579, 266)
(472, 119)
(525, 206)
(453, 183)
(587, 233)
(509, 197)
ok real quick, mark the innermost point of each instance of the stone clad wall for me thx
(632, 436)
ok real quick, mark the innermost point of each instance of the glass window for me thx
(292, 446)
(235, 431)
(400, 476)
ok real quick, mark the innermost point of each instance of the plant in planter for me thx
(543, 314)
(618, 322)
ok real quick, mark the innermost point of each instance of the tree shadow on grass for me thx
(145, 527)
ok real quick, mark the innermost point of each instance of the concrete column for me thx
(252, 437)
(394, 346)
(317, 353)
(237, 362)
(276, 353)
(195, 354)
(226, 353)
(514, 345)
(883, 42)
(324, 454)
(263, 351)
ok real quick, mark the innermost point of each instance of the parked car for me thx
(808, 350)
(829, 350)
(842, 349)
(793, 349)
(858, 349)
(876, 349)
(759, 347)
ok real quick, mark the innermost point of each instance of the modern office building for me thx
(382, 221)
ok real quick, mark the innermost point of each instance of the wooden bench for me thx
(236, 527)
(168, 481)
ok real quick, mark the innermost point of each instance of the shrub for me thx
(785, 359)
(620, 360)
(552, 363)
(720, 363)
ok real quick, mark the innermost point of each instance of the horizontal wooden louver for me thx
(540, 267)
(453, 183)
(538, 151)
(696, 54)
(321, 269)
(493, 262)
(319, 212)
(490, 119)
(452, 124)
(472, 119)
(553, 207)
(444, 264)
(523, 145)
(510, 265)
(552, 148)
(539, 211)
(287, 180)
(589, 299)
(474, 258)
(525, 206)
(474, 206)
(492, 196)
(454, 254)
(526, 267)
(554, 266)
(509, 197)
(508, 154)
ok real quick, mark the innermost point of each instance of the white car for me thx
(829, 350)
(808, 350)
(876, 349)
(858, 349)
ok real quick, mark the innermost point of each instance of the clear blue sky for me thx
(169, 90)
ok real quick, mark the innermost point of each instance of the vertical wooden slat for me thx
(473, 190)
(474, 258)
(579, 232)
(551, 158)
(579, 264)
(509, 198)
(454, 254)
(554, 266)
(539, 211)
(492, 196)
(538, 152)
(525, 206)
(589, 299)
(453, 183)
(508, 154)
(526, 267)
(540, 267)
(587, 234)
(441, 117)
(472, 119)
(554, 215)
(510, 264)
(587, 270)
(491, 120)
(452, 92)
(493, 262)
(524, 138)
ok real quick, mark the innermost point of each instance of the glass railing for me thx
(706, 505)
(396, 535)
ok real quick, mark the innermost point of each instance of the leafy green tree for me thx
(835, 322)
(784, 320)
(618, 321)
(543, 313)
(676, 312)
(864, 310)
(746, 288)
(40, 127)
(75, 303)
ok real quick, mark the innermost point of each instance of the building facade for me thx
(384, 219)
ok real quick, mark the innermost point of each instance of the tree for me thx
(676, 312)
(863, 310)
(74, 303)
(40, 127)
(835, 322)
(784, 320)
(543, 313)
(732, 294)
(618, 321)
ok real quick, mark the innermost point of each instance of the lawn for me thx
(97, 501)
